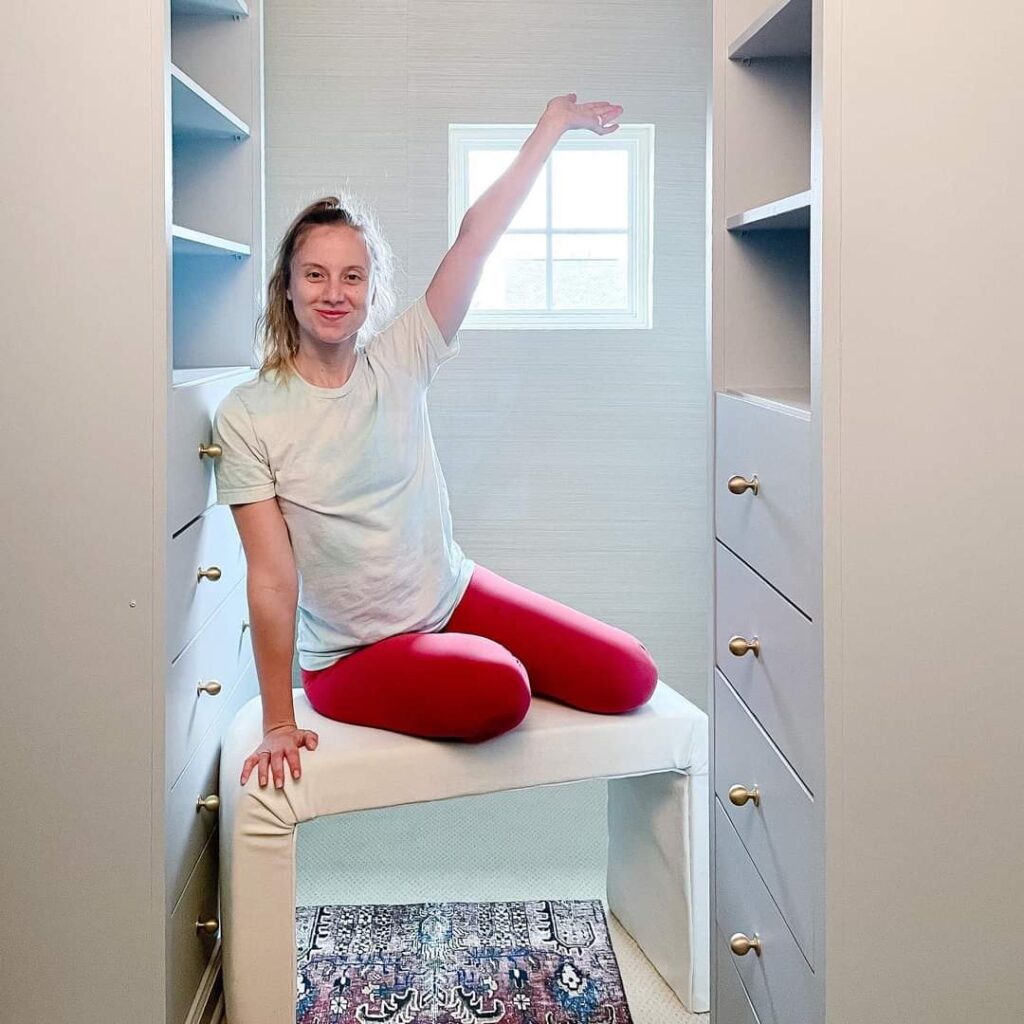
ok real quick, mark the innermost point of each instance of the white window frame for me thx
(638, 141)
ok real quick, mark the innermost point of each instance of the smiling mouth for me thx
(331, 316)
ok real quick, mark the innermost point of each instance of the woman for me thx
(329, 467)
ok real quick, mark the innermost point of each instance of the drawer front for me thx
(781, 985)
(187, 952)
(218, 653)
(782, 684)
(211, 541)
(190, 485)
(778, 832)
(188, 828)
(731, 1003)
(770, 530)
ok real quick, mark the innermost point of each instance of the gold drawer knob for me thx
(212, 574)
(739, 484)
(212, 688)
(211, 451)
(208, 803)
(741, 945)
(739, 795)
(210, 927)
(739, 646)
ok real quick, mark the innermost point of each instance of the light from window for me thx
(577, 254)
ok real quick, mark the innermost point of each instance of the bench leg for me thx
(257, 910)
(658, 875)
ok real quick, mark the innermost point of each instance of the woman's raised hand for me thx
(280, 746)
(600, 118)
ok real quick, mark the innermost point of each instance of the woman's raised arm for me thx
(451, 290)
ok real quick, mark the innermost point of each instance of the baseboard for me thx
(208, 1005)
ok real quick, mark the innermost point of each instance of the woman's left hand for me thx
(598, 117)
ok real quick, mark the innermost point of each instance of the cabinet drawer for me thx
(770, 530)
(212, 541)
(190, 486)
(218, 653)
(189, 828)
(778, 832)
(188, 953)
(780, 983)
(731, 1003)
(782, 684)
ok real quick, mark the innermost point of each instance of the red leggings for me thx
(473, 680)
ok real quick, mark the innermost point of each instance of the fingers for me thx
(274, 763)
(277, 768)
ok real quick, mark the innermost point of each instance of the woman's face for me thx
(329, 281)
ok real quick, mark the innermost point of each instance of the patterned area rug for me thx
(538, 962)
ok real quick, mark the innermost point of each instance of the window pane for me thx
(590, 271)
(487, 165)
(590, 188)
(514, 275)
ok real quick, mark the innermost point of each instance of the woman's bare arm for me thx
(273, 591)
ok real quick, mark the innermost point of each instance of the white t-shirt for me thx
(360, 487)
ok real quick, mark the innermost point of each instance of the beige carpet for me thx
(547, 843)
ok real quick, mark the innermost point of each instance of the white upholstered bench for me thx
(655, 758)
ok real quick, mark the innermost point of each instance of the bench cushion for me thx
(356, 767)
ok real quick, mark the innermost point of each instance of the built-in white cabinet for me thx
(866, 412)
(215, 275)
(134, 274)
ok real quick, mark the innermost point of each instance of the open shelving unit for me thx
(764, 202)
(216, 174)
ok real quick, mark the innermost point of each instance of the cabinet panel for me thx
(782, 683)
(188, 953)
(780, 983)
(217, 654)
(188, 827)
(211, 542)
(731, 1003)
(777, 831)
(190, 486)
(770, 530)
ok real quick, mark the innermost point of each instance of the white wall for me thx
(575, 459)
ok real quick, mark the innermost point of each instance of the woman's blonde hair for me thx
(277, 328)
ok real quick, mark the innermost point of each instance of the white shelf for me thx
(784, 30)
(224, 8)
(195, 113)
(791, 213)
(196, 243)
(794, 400)
(190, 377)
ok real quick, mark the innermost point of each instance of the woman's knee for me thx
(634, 679)
(503, 702)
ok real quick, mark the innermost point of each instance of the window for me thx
(578, 253)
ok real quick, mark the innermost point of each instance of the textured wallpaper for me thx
(575, 460)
